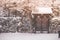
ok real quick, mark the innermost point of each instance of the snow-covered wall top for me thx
(42, 10)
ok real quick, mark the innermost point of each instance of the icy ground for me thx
(27, 36)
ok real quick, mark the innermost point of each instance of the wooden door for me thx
(45, 23)
(42, 23)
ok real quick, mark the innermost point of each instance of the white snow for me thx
(42, 10)
(28, 36)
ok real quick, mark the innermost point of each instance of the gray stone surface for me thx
(9, 24)
(54, 25)
(12, 20)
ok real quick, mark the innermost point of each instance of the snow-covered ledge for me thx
(42, 10)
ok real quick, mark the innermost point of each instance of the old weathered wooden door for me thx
(45, 23)
(42, 23)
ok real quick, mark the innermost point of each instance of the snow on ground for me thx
(27, 36)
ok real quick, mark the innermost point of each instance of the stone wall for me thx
(54, 25)
(15, 15)
(9, 24)
(12, 20)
